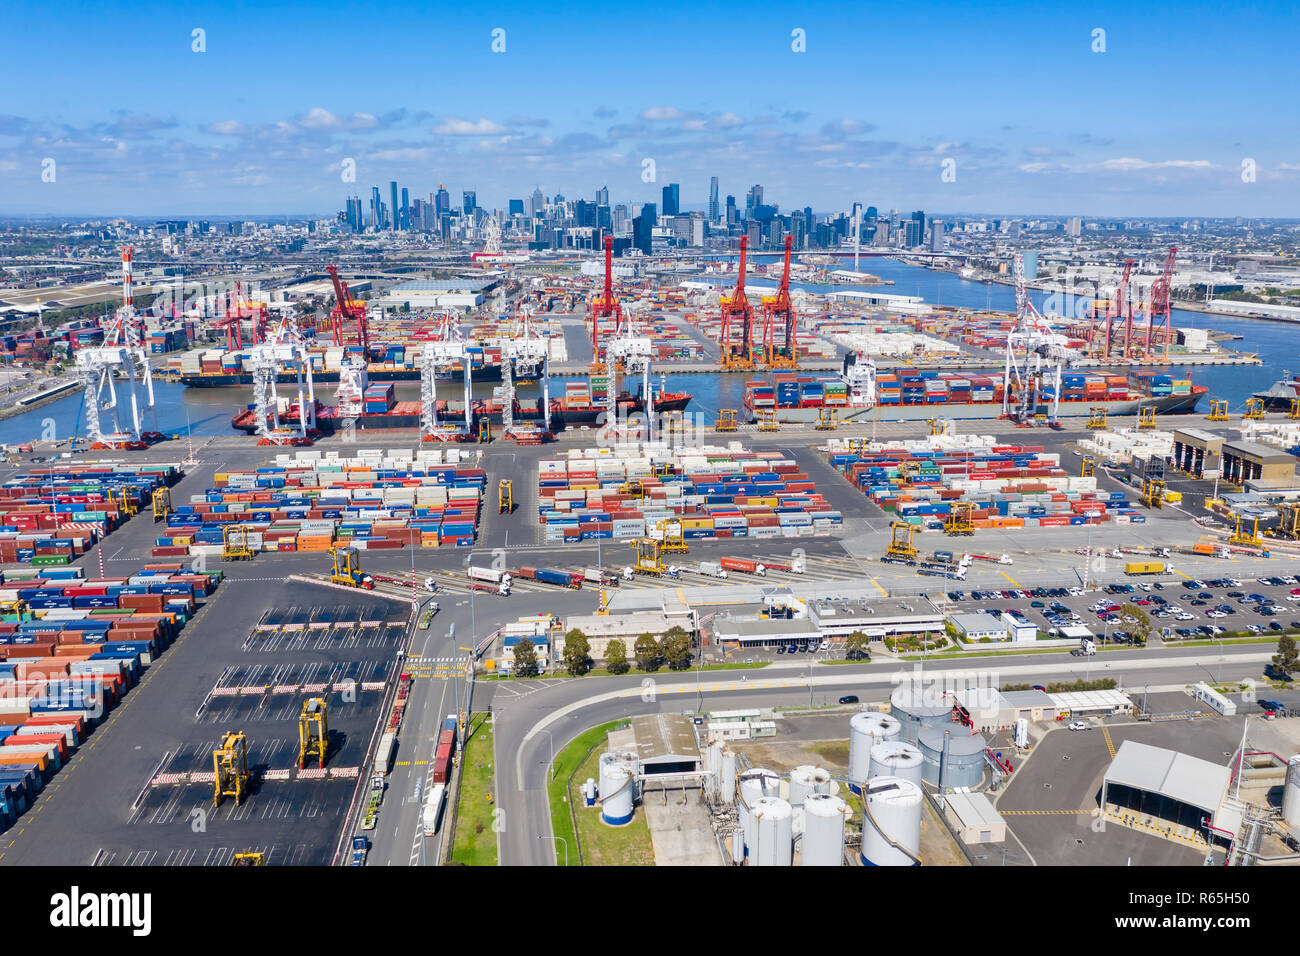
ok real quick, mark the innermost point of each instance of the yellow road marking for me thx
(1010, 578)
(1042, 812)
(883, 592)
(1180, 574)
(680, 596)
(403, 763)
(1110, 744)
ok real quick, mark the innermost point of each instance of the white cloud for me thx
(661, 113)
(1127, 163)
(225, 128)
(453, 126)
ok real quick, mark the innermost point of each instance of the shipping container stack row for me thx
(36, 344)
(50, 517)
(1010, 486)
(669, 341)
(70, 648)
(713, 493)
(315, 505)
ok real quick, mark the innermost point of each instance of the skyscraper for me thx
(443, 200)
(733, 214)
(469, 201)
(714, 209)
(516, 207)
(396, 210)
(602, 196)
(672, 199)
(375, 204)
(406, 209)
(536, 203)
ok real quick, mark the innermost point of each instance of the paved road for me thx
(526, 711)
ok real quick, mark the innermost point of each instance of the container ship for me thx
(219, 368)
(584, 402)
(908, 394)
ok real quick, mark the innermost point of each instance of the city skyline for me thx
(1028, 113)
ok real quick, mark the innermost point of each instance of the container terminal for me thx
(976, 531)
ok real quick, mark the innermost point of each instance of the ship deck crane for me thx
(780, 348)
(736, 308)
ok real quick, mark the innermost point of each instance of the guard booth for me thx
(1197, 452)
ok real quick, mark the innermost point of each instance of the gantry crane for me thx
(162, 504)
(347, 309)
(1146, 417)
(524, 355)
(505, 497)
(900, 541)
(604, 306)
(826, 420)
(346, 569)
(1218, 410)
(1096, 418)
(1254, 408)
(1159, 308)
(726, 420)
(249, 858)
(1240, 536)
(230, 768)
(780, 346)
(1045, 354)
(313, 732)
(767, 420)
(284, 347)
(1153, 492)
(1289, 521)
(234, 543)
(649, 558)
(961, 519)
(1088, 467)
(736, 308)
(437, 356)
(671, 538)
(1293, 412)
(634, 353)
(97, 367)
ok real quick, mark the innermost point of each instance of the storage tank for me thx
(1291, 793)
(891, 830)
(894, 758)
(918, 705)
(617, 788)
(865, 731)
(751, 792)
(774, 836)
(823, 833)
(953, 757)
(808, 779)
(727, 779)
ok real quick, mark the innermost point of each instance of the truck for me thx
(712, 569)
(433, 802)
(943, 557)
(598, 577)
(1211, 551)
(1087, 647)
(564, 579)
(671, 571)
(359, 847)
(796, 566)
(744, 564)
(995, 558)
(1144, 567)
(384, 752)
(490, 575)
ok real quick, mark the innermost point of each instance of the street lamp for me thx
(566, 847)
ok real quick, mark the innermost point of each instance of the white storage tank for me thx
(727, 781)
(865, 731)
(894, 758)
(891, 830)
(617, 789)
(751, 792)
(808, 779)
(823, 833)
(773, 833)
(918, 705)
(1291, 793)
(954, 757)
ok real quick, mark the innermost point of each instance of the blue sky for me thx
(1032, 119)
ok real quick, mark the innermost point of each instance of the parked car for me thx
(849, 699)
(1077, 725)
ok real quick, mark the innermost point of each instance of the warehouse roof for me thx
(443, 285)
(1027, 698)
(1169, 773)
(665, 737)
(1198, 434)
(972, 809)
(977, 621)
(1253, 449)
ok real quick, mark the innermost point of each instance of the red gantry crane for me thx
(736, 308)
(605, 306)
(1159, 310)
(779, 310)
(347, 309)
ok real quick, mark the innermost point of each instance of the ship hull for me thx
(491, 373)
(1166, 405)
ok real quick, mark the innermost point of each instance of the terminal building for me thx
(826, 620)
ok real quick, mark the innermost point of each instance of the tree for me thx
(577, 653)
(616, 657)
(1287, 657)
(858, 645)
(676, 648)
(647, 652)
(525, 659)
(1135, 619)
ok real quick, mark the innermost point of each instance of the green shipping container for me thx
(49, 560)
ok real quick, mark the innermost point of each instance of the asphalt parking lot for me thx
(1170, 603)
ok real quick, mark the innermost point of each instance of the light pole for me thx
(566, 847)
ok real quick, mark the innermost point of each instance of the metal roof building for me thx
(665, 743)
(1095, 702)
(974, 818)
(1174, 787)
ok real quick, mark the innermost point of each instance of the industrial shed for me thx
(1165, 785)
(974, 818)
(665, 744)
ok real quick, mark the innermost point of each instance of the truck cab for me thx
(359, 847)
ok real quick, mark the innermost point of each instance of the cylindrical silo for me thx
(891, 829)
(715, 760)
(750, 792)
(616, 790)
(1291, 793)
(823, 830)
(773, 822)
(808, 779)
(953, 757)
(918, 705)
(865, 731)
(894, 758)
(727, 781)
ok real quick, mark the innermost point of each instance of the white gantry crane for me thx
(437, 356)
(284, 348)
(1044, 355)
(98, 365)
(634, 352)
(525, 355)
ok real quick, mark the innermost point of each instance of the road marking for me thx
(1048, 812)
(883, 592)
(1010, 578)
(1180, 574)
(1110, 744)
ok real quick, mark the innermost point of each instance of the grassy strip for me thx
(604, 845)
(476, 841)
(565, 765)
(633, 672)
